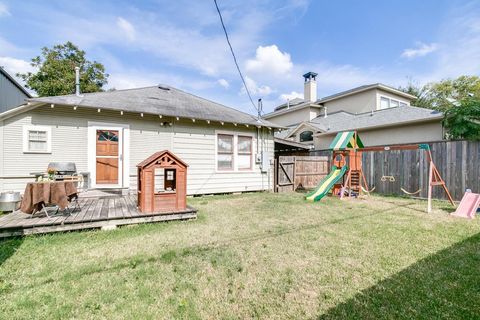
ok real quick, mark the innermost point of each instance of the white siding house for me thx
(33, 135)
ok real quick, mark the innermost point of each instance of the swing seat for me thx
(411, 193)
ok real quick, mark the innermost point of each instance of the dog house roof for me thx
(160, 154)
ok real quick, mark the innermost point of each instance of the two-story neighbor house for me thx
(383, 114)
(12, 94)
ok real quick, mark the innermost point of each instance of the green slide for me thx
(326, 184)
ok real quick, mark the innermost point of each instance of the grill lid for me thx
(63, 167)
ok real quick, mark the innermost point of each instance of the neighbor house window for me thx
(225, 152)
(390, 103)
(384, 103)
(37, 139)
(306, 136)
(244, 149)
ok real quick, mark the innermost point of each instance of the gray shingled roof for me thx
(291, 103)
(345, 121)
(162, 100)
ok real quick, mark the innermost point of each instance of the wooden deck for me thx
(95, 212)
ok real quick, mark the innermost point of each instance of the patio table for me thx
(37, 195)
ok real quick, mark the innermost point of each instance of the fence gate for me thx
(294, 172)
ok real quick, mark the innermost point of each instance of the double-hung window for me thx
(234, 152)
(37, 139)
(225, 152)
(244, 149)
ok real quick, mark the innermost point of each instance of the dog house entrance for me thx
(165, 180)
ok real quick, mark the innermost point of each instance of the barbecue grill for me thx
(63, 170)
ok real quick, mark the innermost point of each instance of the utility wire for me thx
(234, 57)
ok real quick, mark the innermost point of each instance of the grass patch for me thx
(255, 255)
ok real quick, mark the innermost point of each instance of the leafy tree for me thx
(462, 119)
(443, 93)
(440, 95)
(422, 100)
(55, 73)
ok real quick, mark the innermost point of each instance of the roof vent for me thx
(163, 87)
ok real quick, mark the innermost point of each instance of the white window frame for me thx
(232, 152)
(27, 129)
(394, 100)
(388, 101)
(250, 168)
(235, 151)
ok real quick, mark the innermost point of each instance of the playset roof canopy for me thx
(347, 139)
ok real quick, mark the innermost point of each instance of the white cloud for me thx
(461, 52)
(224, 83)
(290, 96)
(14, 66)
(256, 89)
(4, 10)
(270, 59)
(128, 78)
(127, 28)
(421, 49)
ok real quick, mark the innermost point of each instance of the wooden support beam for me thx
(430, 186)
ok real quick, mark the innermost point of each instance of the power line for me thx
(234, 57)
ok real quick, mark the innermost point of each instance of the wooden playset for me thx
(162, 183)
(347, 178)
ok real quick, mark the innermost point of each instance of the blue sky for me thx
(181, 43)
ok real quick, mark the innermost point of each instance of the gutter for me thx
(18, 110)
(397, 124)
(293, 143)
(377, 86)
(285, 111)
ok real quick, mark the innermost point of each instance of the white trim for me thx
(2, 153)
(47, 129)
(235, 135)
(124, 154)
(18, 110)
(297, 128)
(388, 125)
(387, 99)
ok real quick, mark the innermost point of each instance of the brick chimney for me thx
(310, 87)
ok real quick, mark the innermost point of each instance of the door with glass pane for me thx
(107, 157)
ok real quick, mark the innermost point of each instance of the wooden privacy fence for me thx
(293, 172)
(457, 161)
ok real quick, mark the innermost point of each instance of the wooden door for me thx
(107, 156)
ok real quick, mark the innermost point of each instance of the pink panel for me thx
(468, 206)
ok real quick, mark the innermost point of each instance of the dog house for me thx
(162, 183)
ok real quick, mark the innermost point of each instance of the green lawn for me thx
(257, 255)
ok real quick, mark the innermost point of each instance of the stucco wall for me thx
(413, 133)
(193, 142)
(295, 117)
(356, 103)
